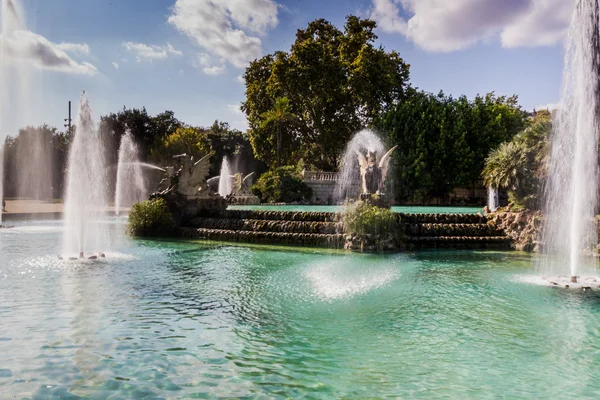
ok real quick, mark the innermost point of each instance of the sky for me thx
(188, 55)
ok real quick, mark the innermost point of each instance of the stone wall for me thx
(323, 185)
(522, 227)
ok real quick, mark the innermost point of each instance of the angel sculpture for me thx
(188, 177)
(241, 186)
(373, 175)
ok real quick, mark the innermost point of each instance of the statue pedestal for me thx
(184, 207)
(378, 200)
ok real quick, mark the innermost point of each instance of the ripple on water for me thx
(334, 279)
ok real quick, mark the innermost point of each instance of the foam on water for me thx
(337, 280)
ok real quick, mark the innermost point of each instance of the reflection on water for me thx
(183, 320)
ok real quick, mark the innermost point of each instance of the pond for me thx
(168, 319)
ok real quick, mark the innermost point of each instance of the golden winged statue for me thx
(372, 175)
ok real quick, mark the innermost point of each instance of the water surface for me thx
(196, 320)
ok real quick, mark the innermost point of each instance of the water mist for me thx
(569, 232)
(225, 178)
(348, 184)
(131, 187)
(86, 198)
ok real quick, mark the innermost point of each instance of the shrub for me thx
(364, 219)
(150, 218)
(282, 185)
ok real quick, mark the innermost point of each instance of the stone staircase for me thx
(322, 229)
(311, 229)
(470, 231)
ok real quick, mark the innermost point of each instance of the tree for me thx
(186, 139)
(336, 82)
(279, 117)
(443, 141)
(519, 165)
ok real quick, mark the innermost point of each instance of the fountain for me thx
(15, 99)
(493, 199)
(225, 178)
(131, 187)
(33, 164)
(569, 233)
(86, 199)
(233, 187)
(359, 164)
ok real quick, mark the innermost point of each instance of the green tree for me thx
(186, 139)
(279, 117)
(519, 164)
(443, 141)
(336, 82)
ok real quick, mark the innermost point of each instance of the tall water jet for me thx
(15, 101)
(225, 178)
(348, 186)
(569, 233)
(131, 186)
(33, 163)
(86, 199)
(493, 198)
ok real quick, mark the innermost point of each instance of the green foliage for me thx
(282, 185)
(365, 219)
(189, 140)
(443, 141)
(150, 218)
(519, 165)
(278, 118)
(336, 82)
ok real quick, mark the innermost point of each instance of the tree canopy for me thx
(336, 81)
(443, 141)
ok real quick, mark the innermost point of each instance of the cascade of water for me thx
(348, 184)
(571, 190)
(86, 199)
(131, 186)
(15, 100)
(225, 178)
(493, 198)
(33, 169)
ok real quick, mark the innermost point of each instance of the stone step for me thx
(502, 242)
(297, 239)
(443, 218)
(271, 215)
(261, 225)
(427, 229)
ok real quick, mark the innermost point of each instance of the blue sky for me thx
(467, 47)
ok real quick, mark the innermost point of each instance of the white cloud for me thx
(116, 65)
(76, 48)
(240, 79)
(444, 26)
(550, 107)
(226, 29)
(36, 50)
(205, 63)
(144, 51)
(235, 109)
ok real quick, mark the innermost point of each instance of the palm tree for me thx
(279, 116)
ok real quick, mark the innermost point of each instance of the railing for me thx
(320, 176)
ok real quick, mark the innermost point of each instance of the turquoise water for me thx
(399, 209)
(190, 320)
